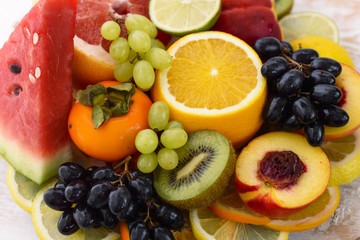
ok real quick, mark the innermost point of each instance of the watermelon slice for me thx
(36, 90)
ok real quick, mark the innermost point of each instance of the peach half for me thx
(349, 83)
(278, 174)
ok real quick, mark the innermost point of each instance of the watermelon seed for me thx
(35, 38)
(32, 78)
(15, 68)
(17, 90)
(27, 31)
(37, 72)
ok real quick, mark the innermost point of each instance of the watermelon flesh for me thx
(36, 101)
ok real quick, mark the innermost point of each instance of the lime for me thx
(344, 156)
(206, 226)
(181, 17)
(302, 24)
(22, 189)
(283, 7)
(45, 222)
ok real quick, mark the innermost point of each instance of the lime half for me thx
(301, 24)
(181, 17)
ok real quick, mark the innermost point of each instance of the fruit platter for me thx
(183, 119)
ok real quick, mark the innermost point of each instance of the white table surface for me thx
(16, 224)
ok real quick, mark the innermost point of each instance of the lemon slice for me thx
(22, 189)
(206, 226)
(45, 222)
(344, 155)
(312, 216)
(181, 17)
(303, 24)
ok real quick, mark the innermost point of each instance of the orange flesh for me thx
(225, 82)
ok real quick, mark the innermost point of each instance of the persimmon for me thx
(115, 138)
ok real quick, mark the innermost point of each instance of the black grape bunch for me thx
(302, 89)
(100, 196)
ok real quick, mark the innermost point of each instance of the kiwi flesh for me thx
(206, 165)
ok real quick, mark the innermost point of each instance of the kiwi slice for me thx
(206, 165)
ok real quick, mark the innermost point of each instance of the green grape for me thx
(167, 158)
(147, 163)
(110, 30)
(174, 124)
(144, 75)
(146, 141)
(138, 22)
(156, 43)
(158, 58)
(119, 49)
(158, 115)
(139, 41)
(153, 33)
(174, 138)
(123, 71)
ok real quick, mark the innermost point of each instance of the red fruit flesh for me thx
(249, 24)
(229, 4)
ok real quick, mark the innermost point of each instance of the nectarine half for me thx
(279, 174)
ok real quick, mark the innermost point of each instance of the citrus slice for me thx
(231, 207)
(214, 82)
(344, 156)
(300, 24)
(206, 226)
(325, 47)
(45, 222)
(312, 216)
(22, 189)
(181, 17)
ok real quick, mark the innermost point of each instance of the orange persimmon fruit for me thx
(115, 139)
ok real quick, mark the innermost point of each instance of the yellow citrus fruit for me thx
(231, 207)
(325, 47)
(214, 82)
(344, 156)
(312, 216)
(45, 222)
(206, 226)
(22, 189)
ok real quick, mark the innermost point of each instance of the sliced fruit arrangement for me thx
(279, 174)
(301, 24)
(344, 158)
(214, 82)
(207, 226)
(29, 66)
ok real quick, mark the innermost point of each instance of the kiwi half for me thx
(206, 164)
